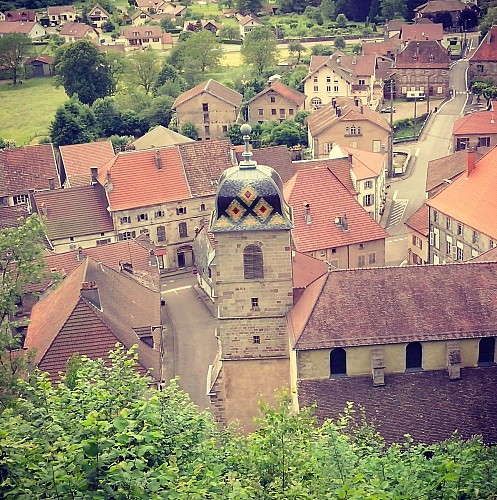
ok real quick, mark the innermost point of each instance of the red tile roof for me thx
(7, 27)
(396, 305)
(365, 164)
(284, 91)
(420, 220)
(278, 158)
(41, 58)
(381, 48)
(488, 256)
(137, 180)
(137, 32)
(472, 200)
(71, 212)
(76, 30)
(360, 65)
(306, 269)
(56, 10)
(78, 158)
(317, 61)
(423, 55)
(480, 122)
(10, 215)
(20, 15)
(64, 322)
(426, 405)
(27, 167)
(327, 197)
(213, 88)
(422, 32)
(433, 6)
(487, 50)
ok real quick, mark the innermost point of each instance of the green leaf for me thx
(90, 448)
(120, 423)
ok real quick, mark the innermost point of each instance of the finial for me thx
(247, 162)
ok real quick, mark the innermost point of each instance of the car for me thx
(388, 109)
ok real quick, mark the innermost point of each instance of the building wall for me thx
(38, 31)
(434, 82)
(417, 247)
(62, 245)
(325, 84)
(281, 109)
(375, 188)
(212, 124)
(483, 70)
(478, 141)
(315, 364)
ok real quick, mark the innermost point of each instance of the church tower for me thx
(252, 279)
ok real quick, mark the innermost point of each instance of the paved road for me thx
(190, 336)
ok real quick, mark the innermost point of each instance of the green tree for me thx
(339, 43)
(234, 134)
(14, 48)
(248, 6)
(84, 71)
(202, 51)
(145, 67)
(259, 49)
(295, 47)
(188, 129)
(107, 116)
(21, 264)
(342, 21)
(393, 9)
(489, 20)
(166, 24)
(328, 9)
(229, 32)
(159, 112)
(74, 123)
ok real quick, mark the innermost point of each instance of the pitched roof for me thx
(78, 158)
(306, 269)
(433, 6)
(145, 178)
(422, 32)
(365, 164)
(56, 10)
(446, 168)
(327, 197)
(72, 212)
(247, 19)
(40, 58)
(284, 91)
(10, 215)
(471, 200)
(420, 220)
(159, 137)
(423, 54)
(98, 7)
(136, 32)
(412, 403)
(397, 305)
(27, 167)
(144, 4)
(488, 256)
(64, 322)
(20, 15)
(213, 88)
(76, 30)
(480, 122)
(326, 116)
(335, 62)
(360, 65)
(487, 50)
(24, 27)
(317, 61)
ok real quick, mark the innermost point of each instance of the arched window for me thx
(414, 356)
(316, 101)
(338, 362)
(486, 351)
(253, 264)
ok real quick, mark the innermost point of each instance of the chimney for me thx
(79, 255)
(94, 174)
(108, 183)
(345, 222)
(307, 215)
(471, 161)
(158, 161)
(51, 183)
(350, 158)
(89, 291)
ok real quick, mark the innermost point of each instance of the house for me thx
(329, 224)
(483, 61)
(140, 17)
(72, 32)
(78, 159)
(476, 130)
(210, 106)
(201, 24)
(41, 65)
(378, 337)
(462, 216)
(165, 193)
(159, 137)
(340, 75)
(61, 14)
(247, 24)
(392, 29)
(90, 312)
(75, 217)
(347, 122)
(34, 30)
(387, 48)
(422, 32)
(169, 11)
(432, 8)
(149, 6)
(276, 102)
(20, 16)
(97, 15)
(424, 66)
(418, 230)
(26, 168)
(229, 13)
(138, 37)
(11, 214)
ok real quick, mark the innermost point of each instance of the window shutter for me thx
(120, 237)
(133, 234)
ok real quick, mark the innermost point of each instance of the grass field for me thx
(27, 110)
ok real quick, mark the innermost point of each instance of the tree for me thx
(328, 9)
(489, 20)
(339, 43)
(14, 48)
(166, 24)
(393, 9)
(108, 27)
(259, 49)
(144, 69)
(202, 51)
(159, 112)
(229, 32)
(107, 116)
(188, 129)
(342, 21)
(295, 47)
(248, 6)
(234, 134)
(444, 18)
(21, 264)
(74, 123)
(84, 71)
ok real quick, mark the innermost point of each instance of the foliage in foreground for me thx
(104, 433)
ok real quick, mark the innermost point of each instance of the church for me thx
(413, 346)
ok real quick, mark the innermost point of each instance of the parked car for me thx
(388, 109)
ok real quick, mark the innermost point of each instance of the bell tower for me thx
(251, 227)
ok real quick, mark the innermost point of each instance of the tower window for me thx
(253, 264)
(414, 356)
(338, 362)
(486, 351)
